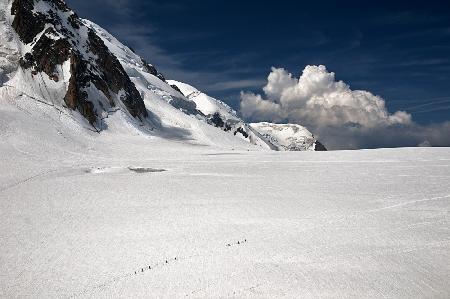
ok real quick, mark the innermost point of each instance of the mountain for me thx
(288, 137)
(53, 63)
(221, 115)
(111, 200)
(50, 55)
(281, 137)
(65, 62)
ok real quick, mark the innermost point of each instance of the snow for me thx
(39, 87)
(131, 62)
(286, 137)
(8, 49)
(164, 121)
(171, 113)
(81, 212)
(280, 137)
(173, 207)
(169, 121)
(206, 104)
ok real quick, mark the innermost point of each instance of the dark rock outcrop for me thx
(26, 23)
(47, 54)
(149, 68)
(76, 98)
(320, 147)
(152, 70)
(187, 107)
(62, 41)
(217, 121)
(161, 77)
(176, 88)
(112, 73)
(242, 131)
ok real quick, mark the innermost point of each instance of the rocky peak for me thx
(176, 88)
(54, 36)
(149, 68)
(320, 147)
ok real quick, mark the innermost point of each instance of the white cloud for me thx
(317, 98)
(255, 107)
(278, 81)
(344, 118)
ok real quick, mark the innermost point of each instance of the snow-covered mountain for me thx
(288, 137)
(68, 66)
(221, 115)
(65, 63)
(120, 186)
(282, 137)
(51, 56)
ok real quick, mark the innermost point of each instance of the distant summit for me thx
(281, 137)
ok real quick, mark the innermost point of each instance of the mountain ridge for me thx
(72, 63)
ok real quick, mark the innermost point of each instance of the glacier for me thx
(192, 201)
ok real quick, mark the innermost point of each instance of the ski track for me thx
(409, 203)
(145, 270)
(26, 180)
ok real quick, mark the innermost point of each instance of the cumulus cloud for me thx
(343, 118)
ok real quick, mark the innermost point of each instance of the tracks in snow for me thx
(94, 170)
(18, 183)
(149, 267)
(408, 203)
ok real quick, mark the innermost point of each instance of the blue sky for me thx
(396, 49)
(399, 50)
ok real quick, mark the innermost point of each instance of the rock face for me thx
(27, 23)
(176, 88)
(55, 36)
(149, 68)
(320, 147)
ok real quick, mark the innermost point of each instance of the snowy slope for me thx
(166, 114)
(222, 116)
(9, 55)
(121, 215)
(169, 206)
(64, 64)
(77, 67)
(287, 137)
(281, 137)
(161, 98)
(133, 64)
(205, 103)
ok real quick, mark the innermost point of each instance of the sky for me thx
(396, 50)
